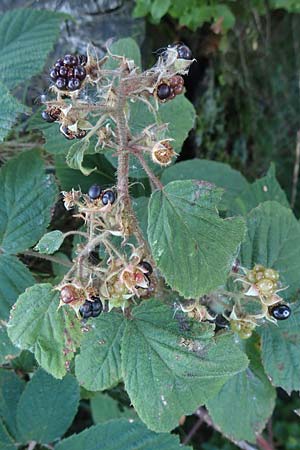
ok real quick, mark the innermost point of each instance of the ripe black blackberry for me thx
(91, 308)
(163, 91)
(69, 72)
(184, 52)
(168, 89)
(280, 311)
(147, 266)
(67, 133)
(95, 191)
(108, 197)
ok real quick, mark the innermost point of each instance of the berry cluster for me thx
(91, 308)
(69, 72)
(182, 50)
(243, 328)
(107, 196)
(266, 280)
(168, 89)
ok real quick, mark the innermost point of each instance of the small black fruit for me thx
(280, 312)
(94, 191)
(184, 52)
(147, 266)
(163, 91)
(108, 197)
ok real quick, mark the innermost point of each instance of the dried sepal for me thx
(162, 153)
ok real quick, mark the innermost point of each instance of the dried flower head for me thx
(71, 198)
(162, 153)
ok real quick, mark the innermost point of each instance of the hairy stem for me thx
(130, 224)
(155, 181)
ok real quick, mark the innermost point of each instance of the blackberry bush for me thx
(175, 281)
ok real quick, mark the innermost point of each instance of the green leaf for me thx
(105, 408)
(224, 12)
(9, 110)
(245, 403)
(179, 127)
(52, 334)
(7, 350)
(27, 196)
(14, 279)
(272, 240)
(26, 38)
(262, 190)
(179, 124)
(26, 362)
(76, 154)
(280, 352)
(117, 435)
(124, 47)
(70, 178)
(47, 407)
(185, 231)
(55, 142)
(220, 174)
(11, 388)
(164, 379)
(159, 8)
(98, 366)
(142, 8)
(6, 442)
(50, 242)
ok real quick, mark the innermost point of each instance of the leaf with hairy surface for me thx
(52, 334)
(168, 372)
(186, 232)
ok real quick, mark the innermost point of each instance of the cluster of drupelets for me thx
(97, 282)
(88, 92)
(85, 89)
(260, 284)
